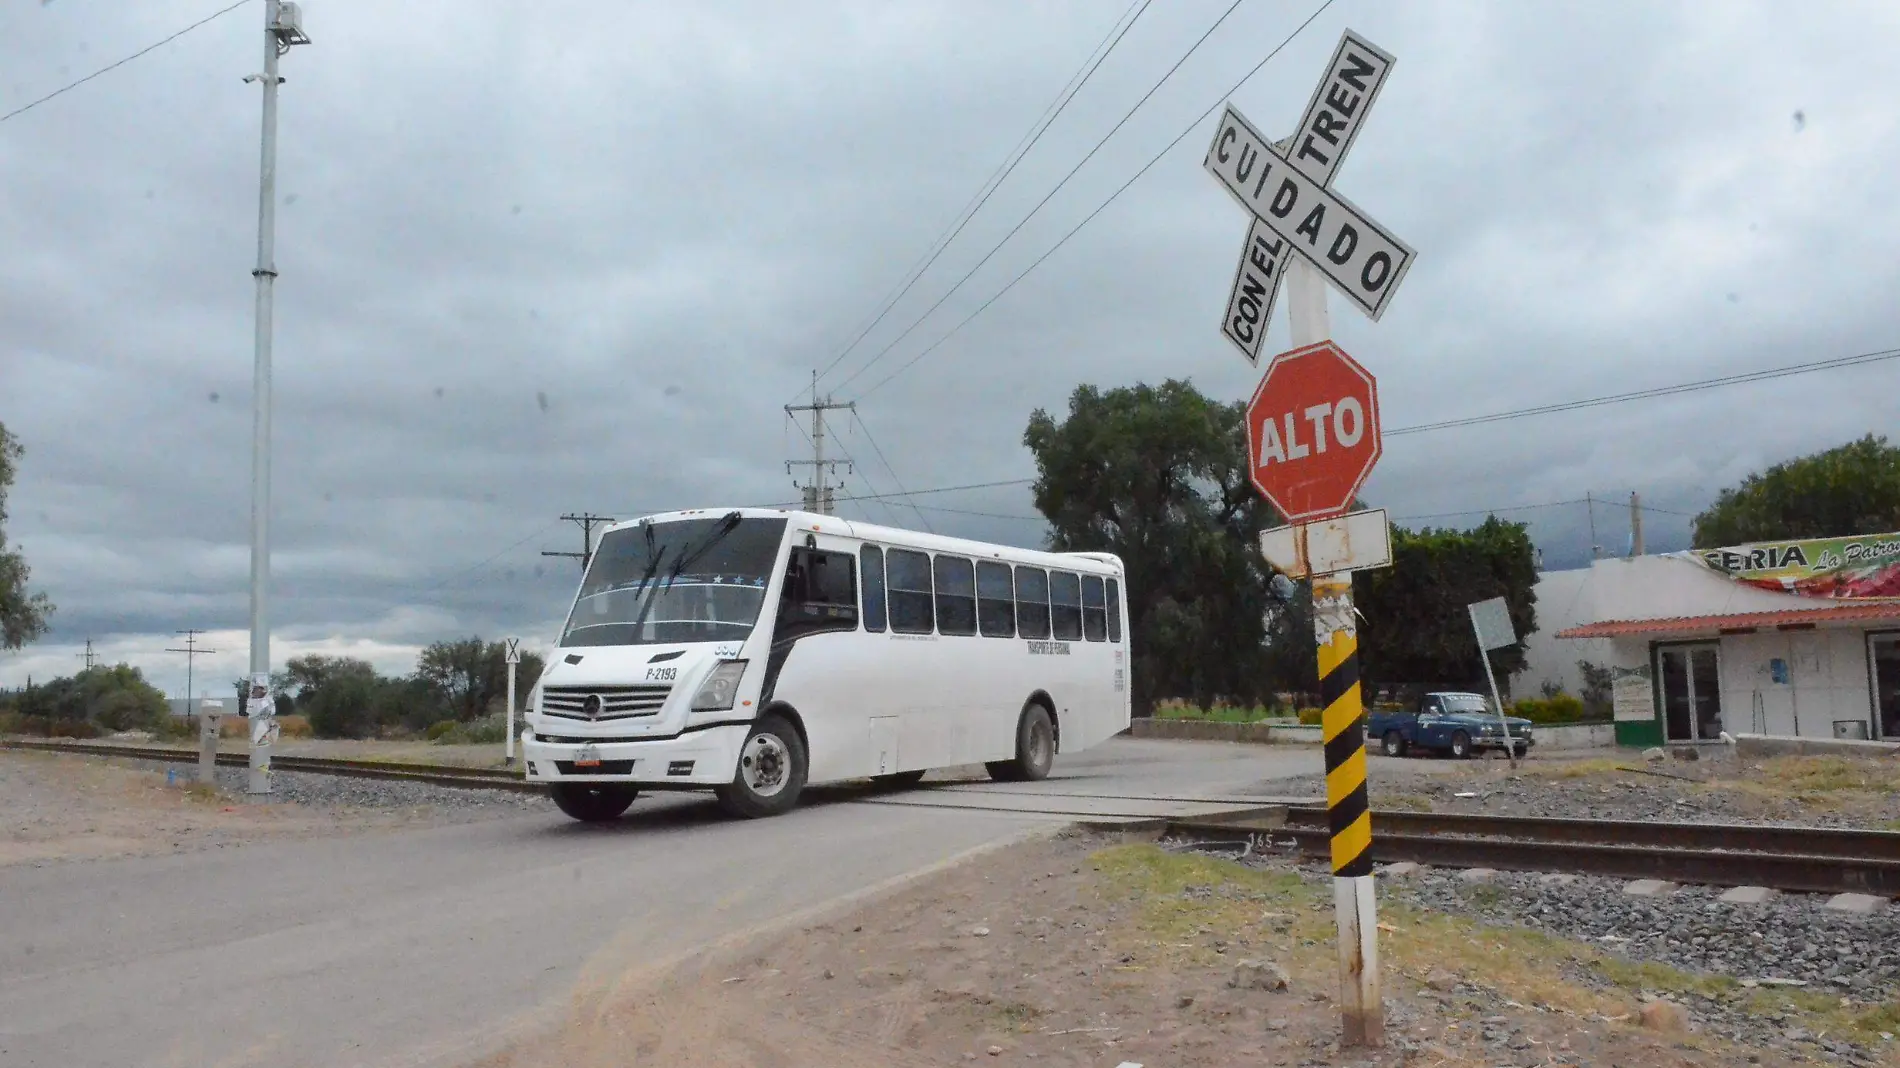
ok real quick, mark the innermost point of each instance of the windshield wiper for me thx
(727, 524)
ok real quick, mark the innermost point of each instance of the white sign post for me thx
(1301, 228)
(261, 708)
(1491, 622)
(513, 658)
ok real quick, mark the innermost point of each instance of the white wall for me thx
(1827, 681)
(1561, 604)
(1827, 668)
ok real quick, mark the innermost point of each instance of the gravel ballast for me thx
(334, 791)
(308, 788)
(1789, 938)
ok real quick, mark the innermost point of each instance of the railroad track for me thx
(1808, 859)
(438, 774)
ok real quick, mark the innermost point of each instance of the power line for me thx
(1112, 197)
(1002, 172)
(114, 66)
(458, 575)
(887, 466)
(1659, 391)
(1051, 194)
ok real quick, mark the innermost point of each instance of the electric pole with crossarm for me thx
(588, 521)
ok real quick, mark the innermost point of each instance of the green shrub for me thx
(1312, 717)
(436, 731)
(1563, 708)
(488, 730)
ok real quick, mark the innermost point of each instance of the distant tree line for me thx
(95, 701)
(455, 684)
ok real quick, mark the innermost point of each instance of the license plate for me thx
(588, 757)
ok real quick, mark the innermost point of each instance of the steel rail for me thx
(1804, 841)
(437, 774)
(1739, 856)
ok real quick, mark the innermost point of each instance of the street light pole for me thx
(283, 28)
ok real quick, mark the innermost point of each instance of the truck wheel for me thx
(1035, 749)
(899, 780)
(592, 802)
(1394, 744)
(1460, 745)
(771, 771)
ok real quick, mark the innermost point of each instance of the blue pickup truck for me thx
(1446, 722)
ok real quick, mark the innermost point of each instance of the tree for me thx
(1417, 629)
(470, 676)
(1157, 475)
(336, 693)
(115, 698)
(1844, 491)
(22, 614)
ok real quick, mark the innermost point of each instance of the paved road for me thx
(425, 946)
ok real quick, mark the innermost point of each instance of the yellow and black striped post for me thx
(1349, 817)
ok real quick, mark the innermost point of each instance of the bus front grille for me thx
(603, 702)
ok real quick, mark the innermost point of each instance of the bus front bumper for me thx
(698, 758)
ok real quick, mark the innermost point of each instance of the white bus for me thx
(753, 651)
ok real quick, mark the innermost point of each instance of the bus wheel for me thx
(771, 771)
(1035, 749)
(899, 780)
(592, 802)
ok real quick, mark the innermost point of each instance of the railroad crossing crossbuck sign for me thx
(1287, 187)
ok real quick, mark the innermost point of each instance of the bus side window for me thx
(995, 600)
(831, 582)
(1114, 612)
(1032, 602)
(956, 595)
(821, 594)
(907, 576)
(871, 562)
(1094, 615)
(1065, 605)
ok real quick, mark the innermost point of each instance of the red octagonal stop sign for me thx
(1313, 432)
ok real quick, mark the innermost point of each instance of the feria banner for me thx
(1845, 568)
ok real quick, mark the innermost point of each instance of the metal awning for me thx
(1742, 622)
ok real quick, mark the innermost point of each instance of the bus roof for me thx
(1094, 562)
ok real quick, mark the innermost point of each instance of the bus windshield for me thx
(691, 580)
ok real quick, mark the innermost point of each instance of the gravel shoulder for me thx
(1791, 791)
(59, 807)
(1097, 951)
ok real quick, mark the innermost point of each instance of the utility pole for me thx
(191, 651)
(87, 656)
(1636, 524)
(817, 494)
(588, 522)
(1589, 503)
(283, 28)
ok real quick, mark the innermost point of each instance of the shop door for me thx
(1690, 676)
(1883, 657)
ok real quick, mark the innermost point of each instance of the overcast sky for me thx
(553, 256)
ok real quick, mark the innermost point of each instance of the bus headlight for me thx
(721, 688)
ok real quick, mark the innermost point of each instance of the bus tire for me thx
(1035, 749)
(770, 774)
(592, 802)
(899, 780)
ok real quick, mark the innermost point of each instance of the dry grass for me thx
(1187, 900)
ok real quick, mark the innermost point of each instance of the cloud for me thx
(542, 258)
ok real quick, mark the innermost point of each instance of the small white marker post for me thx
(513, 658)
